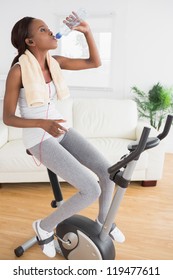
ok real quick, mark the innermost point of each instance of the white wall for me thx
(149, 48)
(143, 38)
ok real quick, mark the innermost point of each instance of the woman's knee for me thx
(93, 192)
(96, 190)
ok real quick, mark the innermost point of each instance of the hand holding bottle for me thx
(78, 23)
(74, 21)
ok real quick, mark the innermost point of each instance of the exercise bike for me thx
(80, 238)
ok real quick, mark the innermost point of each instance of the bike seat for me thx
(151, 143)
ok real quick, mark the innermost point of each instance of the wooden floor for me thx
(145, 217)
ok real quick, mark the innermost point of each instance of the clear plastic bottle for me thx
(65, 30)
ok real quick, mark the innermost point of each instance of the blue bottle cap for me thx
(58, 35)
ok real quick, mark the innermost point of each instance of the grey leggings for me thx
(71, 158)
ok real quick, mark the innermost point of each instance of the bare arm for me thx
(92, 61)
(13, 85)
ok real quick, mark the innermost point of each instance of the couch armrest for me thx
(155, 155)
(3, 134)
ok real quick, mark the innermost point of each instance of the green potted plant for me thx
(154, 105)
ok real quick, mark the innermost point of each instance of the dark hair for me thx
(18, 35)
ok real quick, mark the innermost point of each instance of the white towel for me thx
(33, 80)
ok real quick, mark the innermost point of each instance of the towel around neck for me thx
(34, 83)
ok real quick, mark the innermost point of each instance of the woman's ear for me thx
(29, 42)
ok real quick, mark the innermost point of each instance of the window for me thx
(74, 45)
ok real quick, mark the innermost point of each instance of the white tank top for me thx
(33, 136)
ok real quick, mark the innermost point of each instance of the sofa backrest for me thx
(1, 108)
(96, 117)
(105, 118)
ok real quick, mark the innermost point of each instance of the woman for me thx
(45, 134)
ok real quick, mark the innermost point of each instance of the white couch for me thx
(108, 124)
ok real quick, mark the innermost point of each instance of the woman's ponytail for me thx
(19, 33)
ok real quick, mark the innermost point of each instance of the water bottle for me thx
(65, 30)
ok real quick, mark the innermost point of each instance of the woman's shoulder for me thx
(15, 70)
(14, 73)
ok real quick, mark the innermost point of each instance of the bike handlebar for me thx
(144, 143)
(135, 154)
(166, 127)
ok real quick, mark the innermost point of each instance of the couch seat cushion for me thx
(13, 156)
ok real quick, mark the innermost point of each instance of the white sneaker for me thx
(45, 239)
(115, 233)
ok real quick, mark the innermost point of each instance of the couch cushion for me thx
(113, 149)
(13, 156)
(106, 118)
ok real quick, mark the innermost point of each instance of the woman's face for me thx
(41, 35)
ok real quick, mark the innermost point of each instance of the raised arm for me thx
(93, 61)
